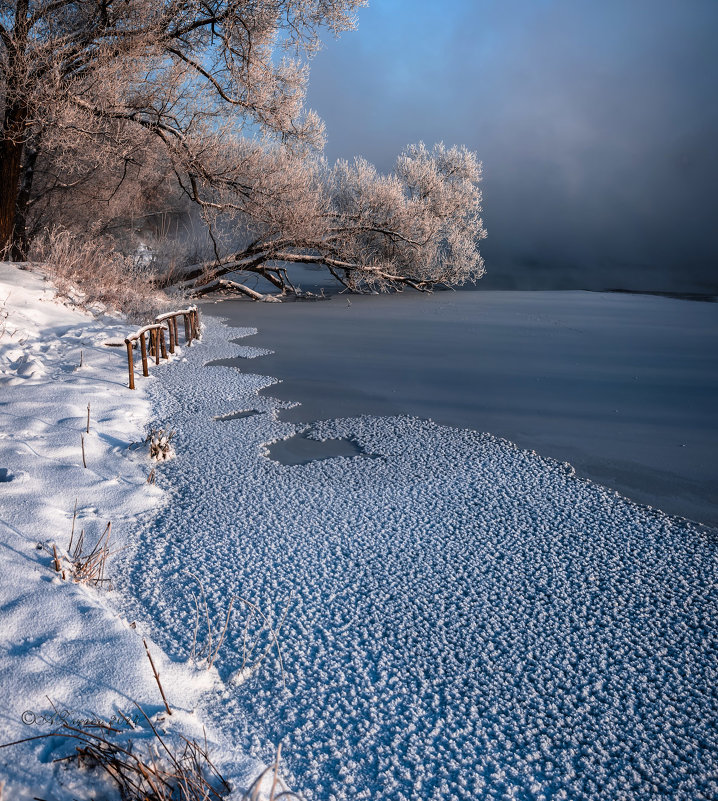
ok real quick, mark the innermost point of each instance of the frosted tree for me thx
(189, 74)
(103, 101)
(418, 227)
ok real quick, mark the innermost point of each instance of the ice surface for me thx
(624, 387)
(238, 415)
(303, 448)
(466, 619)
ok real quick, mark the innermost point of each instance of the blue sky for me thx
(597, 122)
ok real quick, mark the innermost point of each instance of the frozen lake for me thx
(459, 618)
(624, 387)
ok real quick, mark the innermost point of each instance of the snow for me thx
(464, 618)
(65, 651)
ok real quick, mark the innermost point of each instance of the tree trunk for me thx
(10, 170)
(20, 243)
(12, 145)
(13, 134)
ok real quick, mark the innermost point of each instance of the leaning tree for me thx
(101, 100)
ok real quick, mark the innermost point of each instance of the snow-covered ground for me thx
(65, 651)
(464, 619)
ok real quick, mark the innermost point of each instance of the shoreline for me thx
(451, 578)
(67, 651)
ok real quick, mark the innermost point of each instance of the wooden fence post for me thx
(130, 363)
(152, 339)
(143, 348)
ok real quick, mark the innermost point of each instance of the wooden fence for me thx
(156, 346)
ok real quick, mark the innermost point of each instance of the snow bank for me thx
(65, 652)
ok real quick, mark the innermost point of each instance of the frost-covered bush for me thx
(91, 271)
(161, 444)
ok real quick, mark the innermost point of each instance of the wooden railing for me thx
(156, 332)
(191, 325)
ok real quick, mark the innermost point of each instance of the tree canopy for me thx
(110, 107)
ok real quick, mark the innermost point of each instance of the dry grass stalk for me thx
(82, 443)
(85, 568)
(88, 414)
(90, 568)
(212, 651)
(276, 772)
(159, 774)
(4, 314)
(161, 444)
(157, 677)
(255, 790)
(213, 655)
(56, 562)
(72, 532)
(250, 665)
